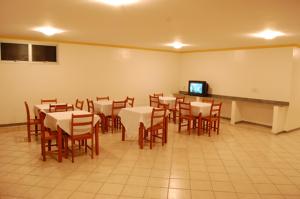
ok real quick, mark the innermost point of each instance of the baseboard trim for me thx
(13, 124)
(247, 122)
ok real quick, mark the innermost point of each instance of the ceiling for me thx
(150, 24)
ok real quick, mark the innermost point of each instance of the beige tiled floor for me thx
(244, 161)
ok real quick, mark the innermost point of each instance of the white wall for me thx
(86, 71)
(293, 115)
(271, 74)
(256, 73)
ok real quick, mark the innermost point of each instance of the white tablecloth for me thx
(103, 106)
(200, 107)
(131, 118)
(168, 100)
(63, 120)
(44, 108)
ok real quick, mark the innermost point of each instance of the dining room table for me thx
(168, 100)
(61, 122)
(103, 106)
(200, 107)
(135, 120)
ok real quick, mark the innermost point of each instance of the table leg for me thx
(36, 128)
(97, 138)
(166, 130)
(59, 143)
(141, 135)
(123, 132)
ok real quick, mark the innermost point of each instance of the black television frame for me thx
(205, 88)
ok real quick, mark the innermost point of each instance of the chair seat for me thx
(155, 127)
(82, 136)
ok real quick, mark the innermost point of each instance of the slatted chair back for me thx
(117, 106)
(102, 98)
(158, 94)
(158, 117)
(48, 101)
(58, 107)
(154, 101)
(82, 124)
(79, 104)
(185, 109)
(130, 101)
(90, 105)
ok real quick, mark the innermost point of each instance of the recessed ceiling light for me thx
(118, 2)
(268, 34)
(47, 30)
(177, 44)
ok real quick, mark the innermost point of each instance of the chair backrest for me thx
(215, 110)
(90, 105)
(48, 101)
(79, 104)
(154, 101)
(179, 99)
(117, 106)
(82, 124)
(164, 106)
(130, 101)
(158, 117)
(158, 94)
(102, 98)
(27, 111)
(185, 109)
(208, 100)
(58, 107)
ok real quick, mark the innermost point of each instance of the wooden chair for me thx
(81, 131)
(158, 94)
(58, 108)
(154, 101)
(113, 120)
(79, 104)
(90, 105)
(213, 120)
(48, 101)
(185, 113)
(157, 128)
(130, 101)
(175, 109)
(91, 109)
(31, 121)
(47, 136)
(102, 98)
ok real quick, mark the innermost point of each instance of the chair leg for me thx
(151, 139)
(92, 147)
(49, 145)
(179, 125)
(73, 150)
(66, 147)
(174, 117)
(199, 125)
(28, 133)
(189, 126)
(85, 145)
(209, 123)
(43, 149)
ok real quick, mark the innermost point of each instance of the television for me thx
(198, 88)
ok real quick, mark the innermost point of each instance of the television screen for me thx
(197, 88)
